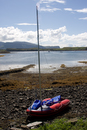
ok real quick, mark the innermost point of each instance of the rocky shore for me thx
(19, 90)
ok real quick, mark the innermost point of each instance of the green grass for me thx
(63, 124)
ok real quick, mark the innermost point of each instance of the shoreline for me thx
(32, 68)
(20, 78)
(16, 70)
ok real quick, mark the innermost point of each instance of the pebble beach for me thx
(18, 90)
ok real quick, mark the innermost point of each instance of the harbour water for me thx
(50, 61)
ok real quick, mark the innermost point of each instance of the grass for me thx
(63, 124)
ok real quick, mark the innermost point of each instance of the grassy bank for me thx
(64, 124)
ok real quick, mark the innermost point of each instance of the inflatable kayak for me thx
(47, 107)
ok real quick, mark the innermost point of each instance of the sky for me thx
(61, 22)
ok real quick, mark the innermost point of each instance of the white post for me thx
(38, 51)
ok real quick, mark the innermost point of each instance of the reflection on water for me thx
(49, 61)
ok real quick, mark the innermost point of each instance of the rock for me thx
(15, 128)
(23, 107)
(73, 120)
(12, 124)
(2, 118)
(20, 100)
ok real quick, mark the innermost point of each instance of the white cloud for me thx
(47, 6)
(52, 36)
(11, 34)
(47, 37)
(75, 40)
(77, 10)
(49, 9)
(83, 18)
(68, 9)
(49, 1)
(26, 24)
(81, 10)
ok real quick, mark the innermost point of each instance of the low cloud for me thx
(83, 18)
(68, 9)
(81, 10)
(49, 9)
(84, 10)
(48, 37)
(11, 34)
(30, 24)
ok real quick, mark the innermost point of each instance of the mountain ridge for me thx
(23, 45)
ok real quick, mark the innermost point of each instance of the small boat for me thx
(48, 107)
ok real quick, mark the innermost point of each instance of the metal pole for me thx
(38, 51)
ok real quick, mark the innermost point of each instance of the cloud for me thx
(11, 34)
(27, 24)
(83, 18)
(49, 9)
(68, 9)
(81, 10)
(50, 1)
(48, 37)
(84, 10)
(52, 36)
(75, 40)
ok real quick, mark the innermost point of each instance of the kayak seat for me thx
(36, 104)
(44, 102)
(53, 100)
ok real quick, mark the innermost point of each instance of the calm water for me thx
(49, 60)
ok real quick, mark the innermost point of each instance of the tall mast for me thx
(38, 51)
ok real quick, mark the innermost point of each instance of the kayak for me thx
(47, 107)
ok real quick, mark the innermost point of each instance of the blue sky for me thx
(61, 22)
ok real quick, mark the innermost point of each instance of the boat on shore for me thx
(48, 107)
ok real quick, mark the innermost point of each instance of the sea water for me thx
(49, 61)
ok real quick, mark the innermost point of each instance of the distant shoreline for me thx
(4, 51)
(46, 49)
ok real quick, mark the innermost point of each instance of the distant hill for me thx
(18, 45)
(23, 45)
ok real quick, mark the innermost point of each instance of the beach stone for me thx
(14, 103)
(23, 107)
(20, 99)
(13, 128)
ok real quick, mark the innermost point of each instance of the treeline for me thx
(52, 49)
(73, 48)
(4, 51)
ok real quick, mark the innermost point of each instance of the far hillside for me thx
(23, 46)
